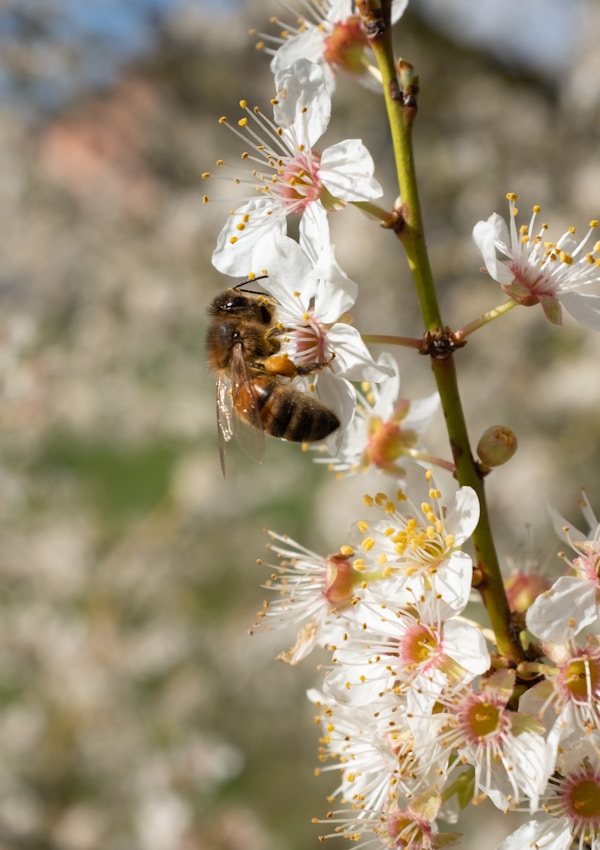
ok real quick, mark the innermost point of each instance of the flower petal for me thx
(422, 413)
(347, 171)
(303, 104)
(485, 235)
(308, 44)
(353, 359)
(290, 278)
(568, 607)
(463, 515)
(584, 307)
(235, 253)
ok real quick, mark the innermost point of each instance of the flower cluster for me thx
(312, 293)
(424, 709)
(416, 714)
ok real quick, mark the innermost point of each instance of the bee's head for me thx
(243, 305)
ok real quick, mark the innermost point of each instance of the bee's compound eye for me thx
(238, 302)
(265, 314)
(227, 333)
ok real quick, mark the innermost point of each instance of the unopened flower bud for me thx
(496, 446)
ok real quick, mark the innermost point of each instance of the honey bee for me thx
(254, 395)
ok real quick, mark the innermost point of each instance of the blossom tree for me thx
(424, 710)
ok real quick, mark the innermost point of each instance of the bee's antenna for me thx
(251, 280)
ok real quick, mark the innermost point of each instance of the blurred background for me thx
(135, 711)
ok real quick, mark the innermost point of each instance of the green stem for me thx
(389, 339)
(400, 100)
(485, 318)
(432, 459)
(382, 215)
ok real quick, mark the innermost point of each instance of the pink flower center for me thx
(522, 589)
(387, 442)
(582, 678)
(341, 578)
(310, 341)
(578, 798)
(299, 183)
(528, 286)
(419, 646)
(587, 566)
(345, 47)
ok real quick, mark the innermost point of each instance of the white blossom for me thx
(331, 34)
(534, 270)
(288, 173)
(384, 433)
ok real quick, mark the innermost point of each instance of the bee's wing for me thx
(224, 418)
(246, 422)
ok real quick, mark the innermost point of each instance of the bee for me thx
(254, 395)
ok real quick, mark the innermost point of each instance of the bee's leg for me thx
(311, 368)
(276, 330)
(277, 364)
(282, 364)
